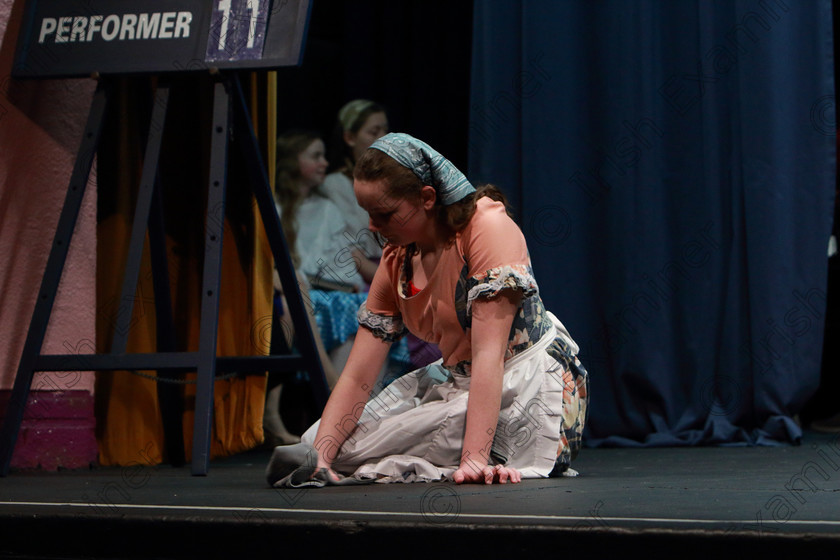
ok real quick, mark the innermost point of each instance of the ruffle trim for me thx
(385, 327)
(515, 277)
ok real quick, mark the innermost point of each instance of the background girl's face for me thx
(374, 128)
(313, 164)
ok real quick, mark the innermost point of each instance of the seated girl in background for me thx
(314, 228)
(360, 123)
(508, 399)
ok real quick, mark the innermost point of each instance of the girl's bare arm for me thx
(351, 393)
(491, 323)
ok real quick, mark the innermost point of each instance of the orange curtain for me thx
(129, 425)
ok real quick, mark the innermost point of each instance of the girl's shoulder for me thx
(318, 206)
(336, 179)
(487, 209)
(490, 218)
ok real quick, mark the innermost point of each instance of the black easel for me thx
(230, 115)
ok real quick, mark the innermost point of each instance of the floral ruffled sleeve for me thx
(492, 281)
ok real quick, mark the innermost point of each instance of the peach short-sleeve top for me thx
(488, 256)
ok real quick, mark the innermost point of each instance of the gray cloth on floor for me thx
(295, 466)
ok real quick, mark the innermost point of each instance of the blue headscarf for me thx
(430, 167)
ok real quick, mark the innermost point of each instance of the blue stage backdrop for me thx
(673, 167)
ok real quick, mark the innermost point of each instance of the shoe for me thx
(827, 426)
(284, 437)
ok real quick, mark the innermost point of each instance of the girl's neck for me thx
(433, 240)
(431, 243)
(306, 190)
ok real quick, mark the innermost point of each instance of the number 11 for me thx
(224, 7)
(254, 9)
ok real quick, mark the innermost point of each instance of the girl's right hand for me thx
(485, 474)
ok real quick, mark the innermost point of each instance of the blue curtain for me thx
(672, 164)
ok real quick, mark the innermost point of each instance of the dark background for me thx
(411, 57)
(729, 94)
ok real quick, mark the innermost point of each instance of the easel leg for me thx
(141, 221)
(148, 216)
(52, 276)
(279, 247)
(170, 395)
(210, 290)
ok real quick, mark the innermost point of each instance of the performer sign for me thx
(68, 38)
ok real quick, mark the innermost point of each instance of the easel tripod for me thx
(230, 114)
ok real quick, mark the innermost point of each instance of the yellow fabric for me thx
(129, 425)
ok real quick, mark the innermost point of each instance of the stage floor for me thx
(722, 501)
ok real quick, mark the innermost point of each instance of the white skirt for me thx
(413, 430)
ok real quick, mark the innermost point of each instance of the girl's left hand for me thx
(471, 473)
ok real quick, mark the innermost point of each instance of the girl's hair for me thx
(349, 120)
(402, 183)
(287, 192)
